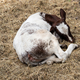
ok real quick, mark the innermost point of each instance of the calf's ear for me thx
(63, 14)
(49, 18)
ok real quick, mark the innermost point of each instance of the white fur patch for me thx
(38, 20)
(63, 28)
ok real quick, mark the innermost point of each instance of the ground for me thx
(12, 14)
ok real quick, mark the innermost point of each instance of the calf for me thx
(35, 44)
(59, 26)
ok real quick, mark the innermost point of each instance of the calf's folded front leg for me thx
(65, 54)
(61, 55)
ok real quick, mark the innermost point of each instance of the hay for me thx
(12, 14)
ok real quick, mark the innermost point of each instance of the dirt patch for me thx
(12, 14)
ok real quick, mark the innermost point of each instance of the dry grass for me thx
(12, 14)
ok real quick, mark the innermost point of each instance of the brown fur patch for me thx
(30, 31)
(39, 51)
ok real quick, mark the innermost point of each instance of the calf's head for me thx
(60, 26)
